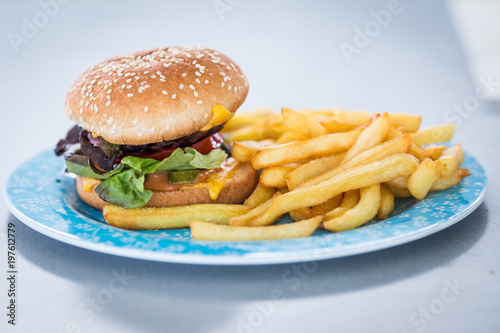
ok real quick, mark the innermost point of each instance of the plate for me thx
(44, 197)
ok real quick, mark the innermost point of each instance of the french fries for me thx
(276, 176)
(422, 179)
(209, 231)
(366, 209)
(312, 169)
(386, 203)
(435, 134)
(372, 135)
(147, 218)
(244, 150)
(361, 176)
(299, 150)
(260, 195)
(450, 160)
(332, 168)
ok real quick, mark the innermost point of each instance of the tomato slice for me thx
(204, 147)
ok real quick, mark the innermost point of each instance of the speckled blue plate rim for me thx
(42, 196)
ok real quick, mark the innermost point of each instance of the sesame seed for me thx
(139, 135)
(164, 92)
(108, 97)
(235, 89)
(197, 73)
(167, 127)
(105, 115)
(108, 103)
(199, 102)
(206, 81)
(153, 76)
(184, 74)
(128, 80)
(108, 92)
(135, 121)
(181, 86)
(195, 94)
(146, 108)
(129, 86)
(174, 96)
(192, 87)
(152, 130)
(130, 94)
(123, 86)
(198, 80)
(223, 83)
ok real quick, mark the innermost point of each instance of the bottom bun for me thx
(236, 190)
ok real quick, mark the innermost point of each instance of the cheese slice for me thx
(219, 116)
(89, 183)
(215, 182)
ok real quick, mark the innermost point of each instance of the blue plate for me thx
(41, 195)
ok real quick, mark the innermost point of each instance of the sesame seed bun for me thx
(235, 191)
(155, 95)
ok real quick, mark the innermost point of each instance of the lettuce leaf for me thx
(125, 189)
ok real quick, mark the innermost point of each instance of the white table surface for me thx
(290, 52)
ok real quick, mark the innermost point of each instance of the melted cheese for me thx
(220, 115)
(89, 183)
(215, 182)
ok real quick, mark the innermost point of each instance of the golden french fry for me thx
(296, 151)
(321, 209)
(349, 200)
(386, 203)
(371, 136)
(435, 134)
(433, 151)
(246, 118)
(301, 124)
(415, 150)
(287, 137)
(411, 123)
(239, 221)
(332, 125)
(244, 150)
(216, 232)
(312, 169)
(149, 218)
(276, 176)
(366, 209)
(399, 192)
(447, 182)
(398, 145)
(422, 179)
(270, 127)
(357, 177)
(450, 160)
(260, 195)
(400, 182)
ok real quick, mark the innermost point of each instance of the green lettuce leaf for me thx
(125, 189)
(212, 160)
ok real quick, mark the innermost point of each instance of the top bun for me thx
(155, 95)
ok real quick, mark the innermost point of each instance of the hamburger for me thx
(147, 130)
